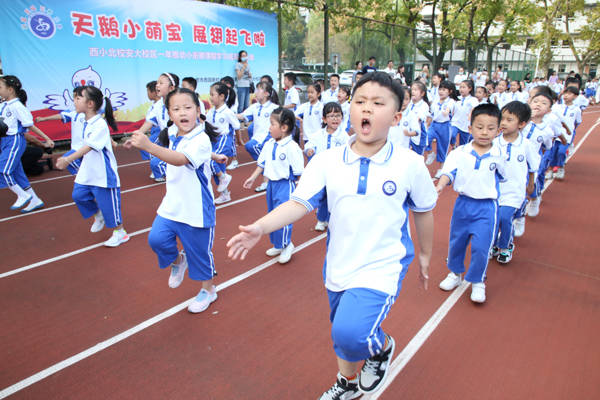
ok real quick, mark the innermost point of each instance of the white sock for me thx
(16, 189)
(32, 193)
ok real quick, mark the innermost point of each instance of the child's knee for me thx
(157, 241)
(349, 339)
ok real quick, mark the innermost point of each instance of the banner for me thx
(118, 46)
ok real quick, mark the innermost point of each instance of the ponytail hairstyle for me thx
(211, 131)
(423, 89)
(3, 128)
(173, 78)
(331, 107)
(451, 88)
(94, 94)
(14, 82)
(227, 92)
(471, 86)
(272, 93)
(286, 117)
(227, 80)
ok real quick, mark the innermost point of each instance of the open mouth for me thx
(184, 120)
(365, 125)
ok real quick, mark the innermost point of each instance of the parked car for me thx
(303, 79)
(346, 77)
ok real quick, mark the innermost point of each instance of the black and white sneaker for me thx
(375, 369)
(343, 389)
(504, 257)
(494, 252)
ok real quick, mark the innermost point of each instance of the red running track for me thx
(267, 337)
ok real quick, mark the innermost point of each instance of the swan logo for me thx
(41, 23)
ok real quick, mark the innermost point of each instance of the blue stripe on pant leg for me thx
(278, 192)
(83, 197)
(442, 135)
(163, 241)
(484, 219)
(505, 224)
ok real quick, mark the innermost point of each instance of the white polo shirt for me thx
(76, 119)
(433, 94)
(518, 96)
(581, 102)
(408, 123)
(438, 108)
(16, 116)
(346, 115)
(421, 111)
(330, 95)
(461, 118)
(158, 115)
(473, 175)
(538, 134)
(500, 99)
(189, 197)
(312, 118)
(369, 241)
(521, 158)
(292, 97)
(260, 115)
(322, 140)
(569, 115)
(223, 119)
(98, 166)
(281, 159)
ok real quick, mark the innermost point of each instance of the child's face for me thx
(501, 86)
(183, 112)
(287, 83)
(444, 93)
(80, 103)
(216, 99)
(480, 93)
(510, 123)
(490, 88)
(464, 89)
(5, 91)
(484, 129)
(415, 93)
(435, 80)
(151, 94)
(312, 94)
(333, 120)
(406, 100)
(163, 86)
(334, 81)
(260, 94)
(277, 130)
(342, 96)
(186, 85)
(514, 86)
(568, 97)
(540, 106)
(373, 111)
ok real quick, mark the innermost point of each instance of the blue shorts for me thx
(221, 146)
(12, 148)
(90, 199)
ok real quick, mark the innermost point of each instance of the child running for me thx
(420, 107)
(97, 189)
(282, 163)
(570, 115)
(187, 212)
(12, 146)
(439, 130)
(370, 185)
(225, 122)
(522, 162)
(475, 169)
(331, 135)
(462, 114)
(310, 113)
(408, 127)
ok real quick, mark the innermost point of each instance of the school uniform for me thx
(187, 211)
(77, 120)
(421, 110)
(408, 123)
(154, 131)
(12, 146)
(158, 116)
(225, 122)
(461, 119)
(260, 116)
(439, 129)
(330, 95)
(571, 117)
(581, 102)
(312, 118)
(474, 218)
(346, 115)
(542, 136)
(590, 89)
(518, 96)
(282, 163)
(292, 97)
(97, 185)
(368, 200)
(522, 158)
(433, 94)
(500, 99)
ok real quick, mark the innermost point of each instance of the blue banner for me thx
(118, 46)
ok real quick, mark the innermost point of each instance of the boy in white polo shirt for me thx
(370, 185)
(475, 169)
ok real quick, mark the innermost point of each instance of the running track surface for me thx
(66, 319)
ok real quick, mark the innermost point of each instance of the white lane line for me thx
(138, 328)
(72, 176)
(95, 246)
(419, 339)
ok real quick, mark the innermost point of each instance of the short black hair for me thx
(385, 80)
(228, 80)
(442, 77)
(192, 81)
(151, 86)
(358, 62)
(291, 76)
(521, 110)
(268, 78)
(372, 58)
(572, 89)
(334, 76)
(571, 80)
(486, 109)
(544, 91)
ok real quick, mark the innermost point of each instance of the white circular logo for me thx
(521, 158)
(540, 139)
(389, 188)
(492, 166)
(282, 156)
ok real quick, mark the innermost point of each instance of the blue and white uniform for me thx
(158, 116)
(154, 131)
(292, 97)
(187, 211)
(476, 178)
(433, 94)
(398, 134)
(368, 200)
(421, 110)
(12, 146)
(225, 122)
(461, 119)
(330, 95)
(522, 158)
(500, 99)
(97, 185)
(312, 118)
(518, 96)
(76, 119)
(346, 115)
(260, 116)
(571, 117)
(581, 101)
(282, 163)
(439, 129)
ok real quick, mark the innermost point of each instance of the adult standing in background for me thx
(424, 76)
(390, 68)
(244, 78)
(370, 67)
(359, 67)
(400, 75)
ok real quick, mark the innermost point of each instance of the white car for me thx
(346, 77)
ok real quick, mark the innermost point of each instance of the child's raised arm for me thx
(142, 142)
(48, 118)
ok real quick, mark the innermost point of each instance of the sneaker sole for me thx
(205, 308)
(23, 205)
(33, 209)
(385, 374)
(124, 240)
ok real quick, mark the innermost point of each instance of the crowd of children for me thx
(366, 153)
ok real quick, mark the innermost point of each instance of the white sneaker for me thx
(549, 174)
(533, 209)
(430, 158)
(321, 226)
(478, 292)
(118, 237)
(272, 252)
(286, 254)
(560, 174)
(438, 174)
(223, 198)
(34, 204)
(202, 300)
(161, 179)
(151, 175)
(234, 164)
(450, 282)
(519, 226)
(21, 202)
(178, 272)
(223, 182)
(98, 224)
(261, 188)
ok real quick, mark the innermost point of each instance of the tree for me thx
(548, 34)
(589, 31)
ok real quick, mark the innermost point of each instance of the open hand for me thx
(240, 244)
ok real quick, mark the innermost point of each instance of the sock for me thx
(32, 194)
(350, 378)
(16, 189)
